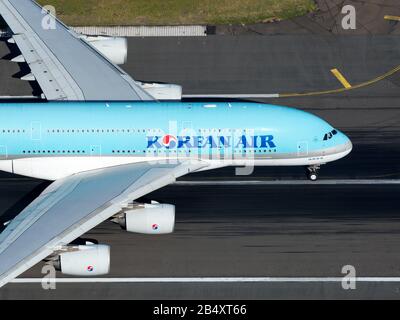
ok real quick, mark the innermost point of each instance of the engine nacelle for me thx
(114, 48)
(85, 260)
(152, 218)
(163, 91)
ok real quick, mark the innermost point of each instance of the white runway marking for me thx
(290, 182)
(18, 97)
(227, 96)
(206, 280)
(265, 182)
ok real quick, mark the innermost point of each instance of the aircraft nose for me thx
(346, 144)
(349, 145)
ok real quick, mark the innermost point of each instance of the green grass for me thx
(175, 12)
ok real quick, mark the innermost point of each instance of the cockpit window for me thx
(330, 135)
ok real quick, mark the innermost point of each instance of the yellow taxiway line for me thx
(341, 78)
(357, 86)
(392, 18)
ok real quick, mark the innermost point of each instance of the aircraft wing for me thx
(65, 66)
(72, 206)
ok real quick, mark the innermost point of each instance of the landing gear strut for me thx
(312, 172)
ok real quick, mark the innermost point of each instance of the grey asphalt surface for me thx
(328, 20)
(260, 230)
(273, 64)
(248, 231)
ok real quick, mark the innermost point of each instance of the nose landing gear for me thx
(312, 172)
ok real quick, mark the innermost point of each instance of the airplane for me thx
(106, 140)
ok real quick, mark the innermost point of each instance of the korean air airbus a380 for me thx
(106, 140)
(55, 140)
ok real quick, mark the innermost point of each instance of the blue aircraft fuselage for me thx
(268, 134)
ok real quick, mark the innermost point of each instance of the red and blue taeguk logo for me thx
(169, 141)
(154, 226)
(90, 268)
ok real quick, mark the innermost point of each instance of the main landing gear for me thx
(312, 172)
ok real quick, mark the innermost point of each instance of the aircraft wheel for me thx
(313, 176)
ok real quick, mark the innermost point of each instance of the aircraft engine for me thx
(163, 91)
(151, 218)
(84, 260)
(114, 48)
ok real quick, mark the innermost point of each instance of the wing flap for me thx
(54, 80)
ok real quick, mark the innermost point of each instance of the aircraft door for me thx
(187, 132)
(95, 150)
(36, 130)
(3, 153)
(302, 149)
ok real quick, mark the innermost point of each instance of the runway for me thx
(249, 231)
(207, 291)
(272, 228)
